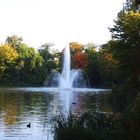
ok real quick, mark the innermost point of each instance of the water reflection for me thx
(18, 108)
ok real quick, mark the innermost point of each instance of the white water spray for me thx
(69, 78)
(65, 80)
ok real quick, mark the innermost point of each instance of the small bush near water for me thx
(90, 126)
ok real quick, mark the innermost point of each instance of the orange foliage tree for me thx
(79, 58)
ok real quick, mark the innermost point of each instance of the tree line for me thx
(21, 65)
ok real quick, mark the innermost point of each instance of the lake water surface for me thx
(20, 107)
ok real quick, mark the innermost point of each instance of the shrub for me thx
(90, 126)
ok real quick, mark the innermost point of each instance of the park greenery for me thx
(22, 65)
(115, 64)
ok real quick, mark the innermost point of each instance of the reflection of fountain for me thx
(68, 79)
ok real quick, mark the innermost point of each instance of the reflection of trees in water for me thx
(9, 108)
(90, 101)
(15, 106)
(104, 103)
(85, 102)
(20, 107)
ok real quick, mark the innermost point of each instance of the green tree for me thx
(32, 62)
(108, 66)
(50, 57)
(92, 69)
(14, 41)
(126, 50)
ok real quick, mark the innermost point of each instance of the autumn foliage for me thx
(79, 58)
(8, 56)
(75, 47)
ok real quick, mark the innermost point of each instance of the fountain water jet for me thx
(65, 81)
(68, 79)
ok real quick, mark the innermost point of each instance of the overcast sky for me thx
(58, 21)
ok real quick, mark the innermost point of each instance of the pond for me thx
(19, 107)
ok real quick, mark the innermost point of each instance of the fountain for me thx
(67, 81)
(69, 78)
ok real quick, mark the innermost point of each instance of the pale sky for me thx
(58, 21)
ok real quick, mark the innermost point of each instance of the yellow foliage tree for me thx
(75, 46)
(8, 55)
